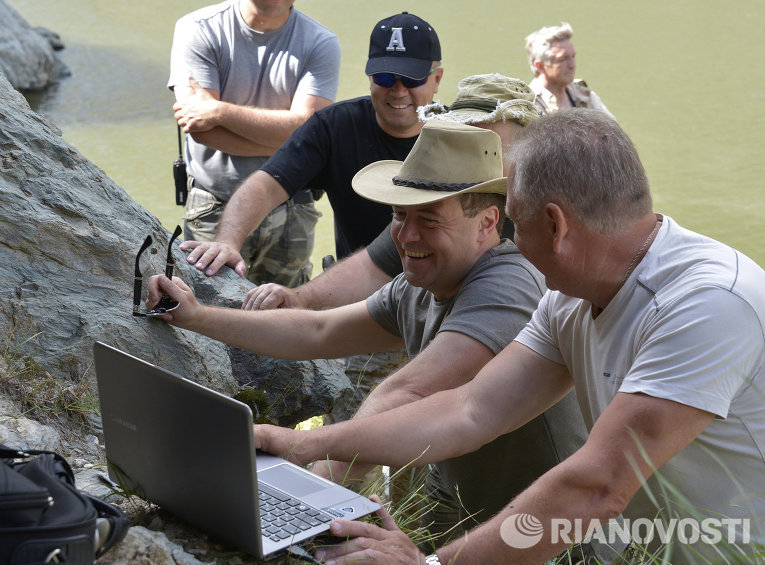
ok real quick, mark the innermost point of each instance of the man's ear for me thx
(438, 76)
(556, 224)
(489, 219)
(539, 65)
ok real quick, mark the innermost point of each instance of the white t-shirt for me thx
(688, 326)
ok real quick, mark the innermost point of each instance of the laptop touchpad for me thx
(292, 481)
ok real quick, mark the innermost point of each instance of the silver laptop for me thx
(191, 450)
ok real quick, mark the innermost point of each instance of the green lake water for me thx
(685, 79)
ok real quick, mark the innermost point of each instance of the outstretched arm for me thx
(425, 431)
(350, 280)
(634, 436)
(288, 334)
(253, 200)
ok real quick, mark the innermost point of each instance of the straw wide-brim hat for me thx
(447, 159)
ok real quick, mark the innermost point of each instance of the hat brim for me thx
(375, 182)
(522, 112)
(467, 116)
(405, 66)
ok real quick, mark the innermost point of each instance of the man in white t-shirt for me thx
(659, 330)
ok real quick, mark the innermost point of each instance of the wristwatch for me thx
(432, 559)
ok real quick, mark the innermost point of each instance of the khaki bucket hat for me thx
(486, 99)
(447, 159)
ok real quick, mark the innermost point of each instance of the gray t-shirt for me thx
(249, 68)
(494, 302)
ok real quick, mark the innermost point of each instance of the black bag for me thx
(45, 519)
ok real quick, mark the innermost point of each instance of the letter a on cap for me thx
(396, 40)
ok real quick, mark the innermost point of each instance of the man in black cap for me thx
(404, 70)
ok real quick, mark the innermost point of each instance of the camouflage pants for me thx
(278, 251)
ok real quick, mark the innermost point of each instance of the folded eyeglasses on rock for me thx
(165, 304)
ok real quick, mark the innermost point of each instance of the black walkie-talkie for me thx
(179, 175)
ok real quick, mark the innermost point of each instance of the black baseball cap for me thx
(404, 45)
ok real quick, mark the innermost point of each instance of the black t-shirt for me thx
(384, 254)
(326, 152)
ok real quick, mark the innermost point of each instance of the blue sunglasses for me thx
(387, 80)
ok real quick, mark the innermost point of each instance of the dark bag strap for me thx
(11, 453)
(112, 523)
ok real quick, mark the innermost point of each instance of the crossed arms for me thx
(235, 129)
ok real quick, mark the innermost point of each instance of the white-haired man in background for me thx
(552, 59)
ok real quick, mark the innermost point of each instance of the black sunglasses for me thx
(165, 304)
(387, 80)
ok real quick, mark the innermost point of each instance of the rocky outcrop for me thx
(28, 56)
(68, 240)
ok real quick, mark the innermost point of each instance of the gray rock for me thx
(23, 433)
(27, 56)
(68, 239)
(142, 546)
(51, 36)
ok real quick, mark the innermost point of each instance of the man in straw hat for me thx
(491, 101)
(463, 296)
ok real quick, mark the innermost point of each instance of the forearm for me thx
(265, 127)
(286, 334)
(383, 398)
(353, 279)
(564, 494)
(289, 334)
(258, 195)
(229, 142)
(412, 434)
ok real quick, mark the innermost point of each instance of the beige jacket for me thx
(578, 91)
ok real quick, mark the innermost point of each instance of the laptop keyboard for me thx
(282, 516)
